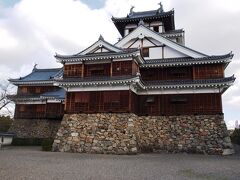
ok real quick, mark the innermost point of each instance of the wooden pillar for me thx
(111, 68)
(45, 116)
(222, 71)
(133, 68)
(162, 52)
(130, 101)
(193, 72)
(65, 102)
(82, 69)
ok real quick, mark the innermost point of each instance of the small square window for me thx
(156, 28)
(145, 52)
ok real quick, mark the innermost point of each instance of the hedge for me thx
(235, 136)
(27, 141)
(47, 144)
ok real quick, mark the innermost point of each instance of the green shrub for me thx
(235, 136)
(5, 123)
(27, 141)
(47, 144)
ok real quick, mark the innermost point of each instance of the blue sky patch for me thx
(8, 3)
(94, 4)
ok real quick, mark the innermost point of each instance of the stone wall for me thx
(97, 133)
(35, 128)
(130, 134)
(193, 134)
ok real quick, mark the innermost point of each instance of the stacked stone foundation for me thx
(126, 133)
(35, 128)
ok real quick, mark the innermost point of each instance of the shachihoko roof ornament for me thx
(160, 10)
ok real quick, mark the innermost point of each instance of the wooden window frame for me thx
(145, 52)
(156, 28)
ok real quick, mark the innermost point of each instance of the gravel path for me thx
(17, 163)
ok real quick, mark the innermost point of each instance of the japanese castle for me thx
(149, 72)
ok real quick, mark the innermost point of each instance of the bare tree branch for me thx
(5, 91)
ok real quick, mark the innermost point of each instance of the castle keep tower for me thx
(147, 92)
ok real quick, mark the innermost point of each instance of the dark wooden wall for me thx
(184, 104)
(209, 71)
(33, 90)
(74, 70)
(135, 68)
(170, 73)
(115, 68)
(39, 111)
(97, 70)
(92, 102)
(126, 101)
(121, 68)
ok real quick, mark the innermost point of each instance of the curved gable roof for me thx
(144, 31)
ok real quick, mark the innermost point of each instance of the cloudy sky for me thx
(32, 31)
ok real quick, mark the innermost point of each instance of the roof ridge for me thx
(100, 39)
(99, 54)
(46, 69)
(145, 11)
(130, 16)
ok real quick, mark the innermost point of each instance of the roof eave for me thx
(32, 82)
(198, 85)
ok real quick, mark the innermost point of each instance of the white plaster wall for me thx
(155, 53)
(105, 50)
(147, 43)
(171, 53)
(98, 51)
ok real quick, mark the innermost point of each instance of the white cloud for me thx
(7, 41)
(44, 27)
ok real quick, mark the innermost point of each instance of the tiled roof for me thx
(39, 75)
(7, 134)
(187, 61)
(161, 38)
(59, 94)
(102, 40)
(191, 82)
(97, 78)
(95, 55)
(143, 15)
(147, 16)
(173, 31)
